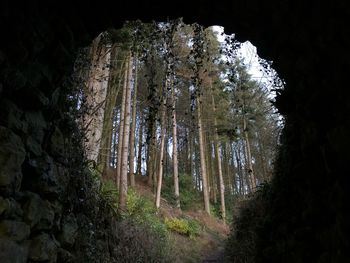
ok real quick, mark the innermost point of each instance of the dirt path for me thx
(218, 256)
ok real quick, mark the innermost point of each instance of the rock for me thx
(3, 205)
(11, 252)
(65, 256)
(57, 143)
(12, 155)
(43, 248)
(44, 176)
(36, 125)
(14, 230)
(69, 230)
(57, 208)
(13, 117)
(10, 208)
(32, 209)
(38, 213)
(33, 146)
(32, 98)
(47, 216)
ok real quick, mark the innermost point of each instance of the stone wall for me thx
(49, 207)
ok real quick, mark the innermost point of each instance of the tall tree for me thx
(175, 153)
(218, 158)
(95, 94)
(162, 145)
(123, 188)
(133, 126)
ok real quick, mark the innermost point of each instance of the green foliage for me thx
(143, 211)
(186, 227)
(252, 213)
(215, 210)
(141, 235)
(190, 198)
(110, 193)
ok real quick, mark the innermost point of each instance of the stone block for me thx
(69, 230)
(12, 155)
(38, 213)
(43, 248)
(14, 230)
(12, 252)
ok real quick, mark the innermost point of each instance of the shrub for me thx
(183, 226)
(110, 194)
(140, 235)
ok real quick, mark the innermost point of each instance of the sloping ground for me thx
(207, 246)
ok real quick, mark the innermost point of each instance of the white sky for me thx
(248, 52)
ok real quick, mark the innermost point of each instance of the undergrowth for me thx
(248, 219)
(141, 236)
(190, 197)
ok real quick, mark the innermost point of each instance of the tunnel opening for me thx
(173, 68)
(184, 107)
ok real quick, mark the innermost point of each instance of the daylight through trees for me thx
(172, 100)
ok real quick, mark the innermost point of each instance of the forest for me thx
(168, 104)
(168, 100)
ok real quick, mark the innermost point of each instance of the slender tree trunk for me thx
(161, 150)
(115, 144)
(175, 159)
(203, 167)
(249, 155)
(263, 158)
(140, 143)
(234, 171)
(197, 167)
(123, 188)
(240, 172)
(151, 154)
(132, 131)
(121, 123)
(190, 153)
(213, 177)
(218, 158)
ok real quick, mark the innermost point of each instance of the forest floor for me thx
(208, 246)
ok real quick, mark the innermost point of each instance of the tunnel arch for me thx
(308, 43)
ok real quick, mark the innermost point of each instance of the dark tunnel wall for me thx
(307, 215)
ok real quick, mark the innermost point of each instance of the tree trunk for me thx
(218, 159)
(113, 90)
(203, 168)
(240, 172)
(123, 188)
(132, 131)
(213, 182)
(121, 124)
(97, 86)
(161, 150)
(140, 143)
(249, 155)
(175, 159)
